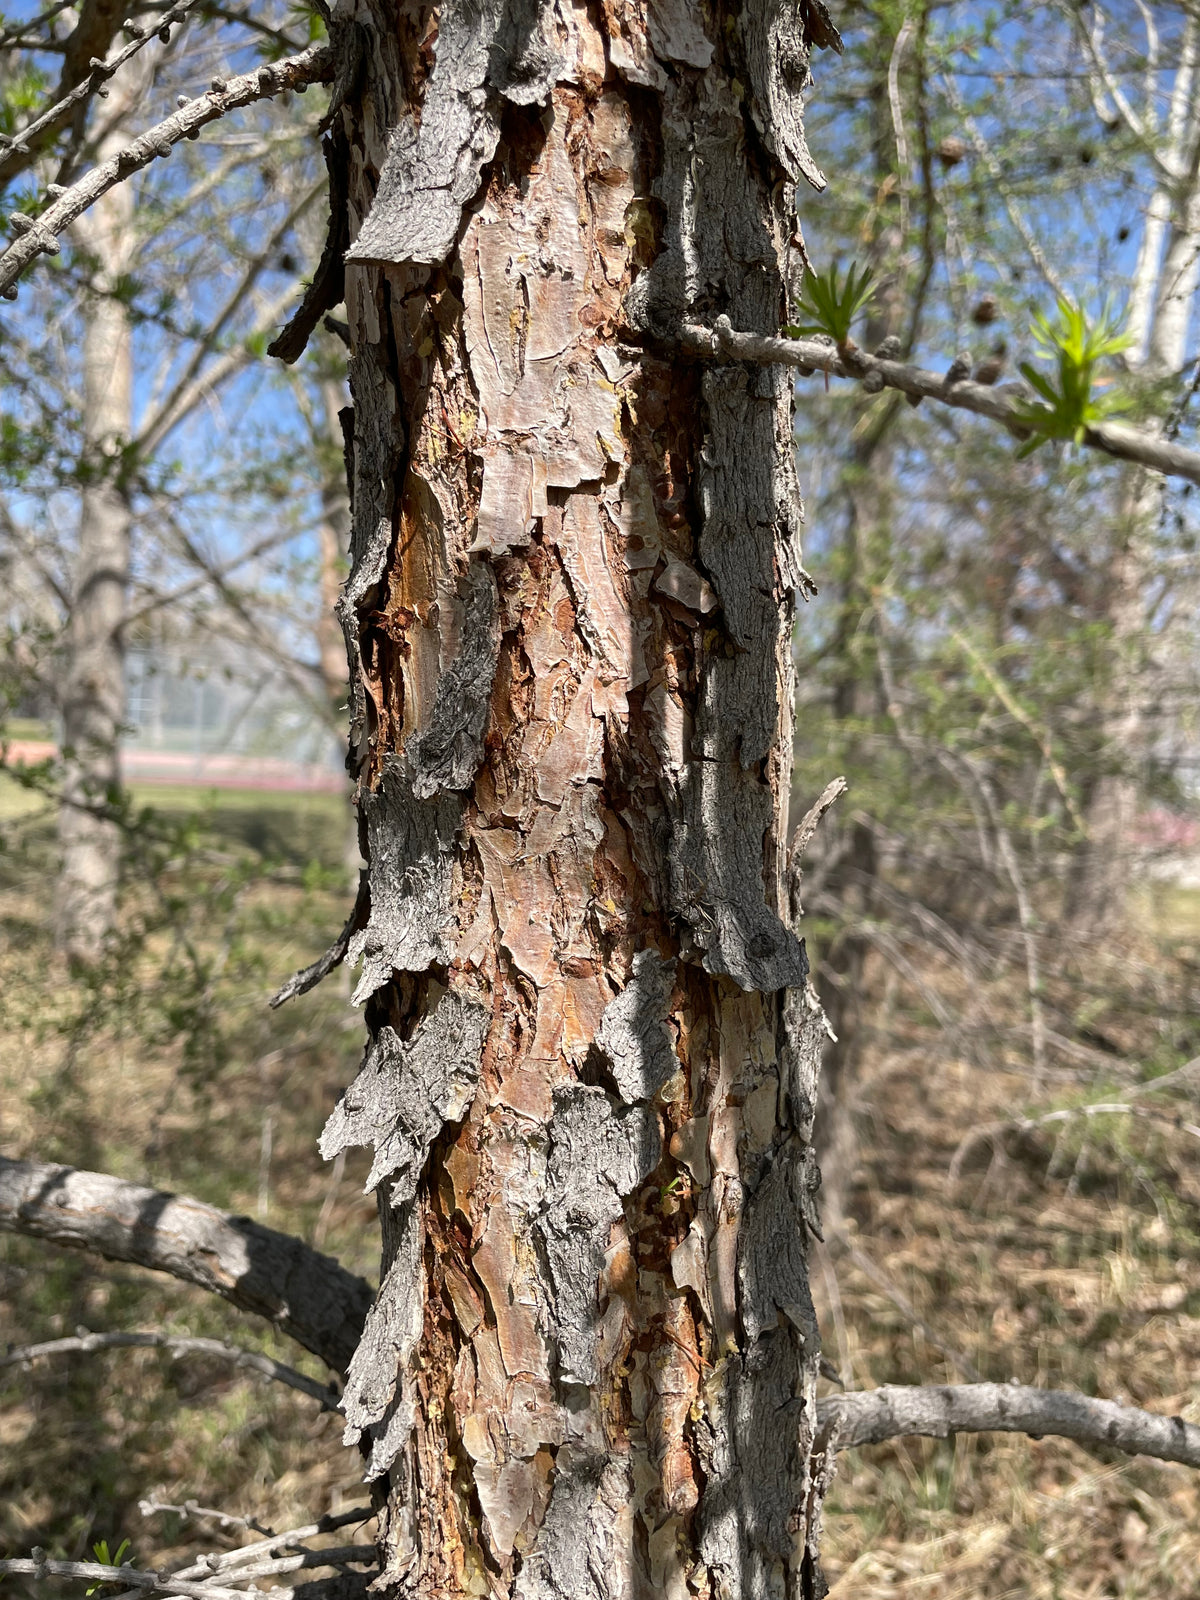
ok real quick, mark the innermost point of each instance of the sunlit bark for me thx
(575, 552)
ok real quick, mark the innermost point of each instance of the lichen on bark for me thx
(590, 1369)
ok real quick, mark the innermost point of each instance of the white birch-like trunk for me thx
(92, 702)
(1160, 301)
(589, 1373)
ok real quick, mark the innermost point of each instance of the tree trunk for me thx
(1161, 296)
(591, 1068)
(92, 702)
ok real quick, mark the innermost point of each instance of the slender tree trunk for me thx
(591, 1068)
(93, 693)
(856, 699)
(1161, 298)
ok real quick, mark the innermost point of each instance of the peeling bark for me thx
(575, 557)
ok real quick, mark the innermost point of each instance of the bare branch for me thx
(1016, 216)
(251, 1554)
(1018, 712)
(897, 1410)
(191, 1508)
(1115, 439)
(308, 977)
(101, 1572)
(41, 233)
(192, 383)
(807, 826)
(308, 1296)
(225, 1519)
(156, 602)
(1093, 44)
(903, 164)
(142, 1583)
(178, 1345)
(84, 73)
(328, 286)
(226, 365)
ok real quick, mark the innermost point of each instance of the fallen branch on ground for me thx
(871, 1416)
(177, 1345)
(1115, 439)
(305, 1294)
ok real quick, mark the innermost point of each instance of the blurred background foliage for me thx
(1003, 911)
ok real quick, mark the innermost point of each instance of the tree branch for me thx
(178, 1345)
(308, 977)
(1117, 439)
(895, 1410)
(84, 74)
(141, 1583)
(156, 602)
(983, 150)
(227, 1561)
(193, 383)
(308, 1296)
(40, 234)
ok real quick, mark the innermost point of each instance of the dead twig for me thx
(177, 1345)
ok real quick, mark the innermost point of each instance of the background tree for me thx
(146, 541)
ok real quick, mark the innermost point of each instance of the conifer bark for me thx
(592, 1056)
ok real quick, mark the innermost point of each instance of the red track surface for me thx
(202, 771)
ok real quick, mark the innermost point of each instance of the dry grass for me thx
(114, 1079)
(1069, 1264)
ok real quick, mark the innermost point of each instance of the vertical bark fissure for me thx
(590, 1367)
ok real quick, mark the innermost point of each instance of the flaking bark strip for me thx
(633, 1035)
(577, 1556)
(598, 1155)
(803, 1034)
(716, 868)
(484, 54)
(720, 807)
(773, 1258)
(378, 1401)
(411, 846)
(755, 1438)
(407, 1091)
(446, 755)
(776, 37)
